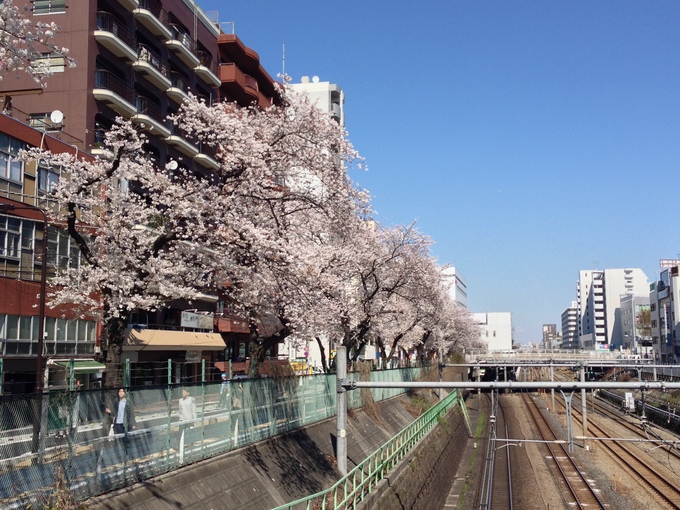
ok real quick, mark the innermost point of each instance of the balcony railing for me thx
(151, 14)
(147, 107)
(148, 55)
(109, 81)
(184, 46)
(108, 23)
(179, 82)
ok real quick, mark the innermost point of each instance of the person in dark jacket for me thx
(122, 414)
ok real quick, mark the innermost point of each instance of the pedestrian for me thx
(187, 407)
(224, 391)
(187, 414)
(123, 414)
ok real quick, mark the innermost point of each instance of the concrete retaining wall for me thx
(277, 471)
(422, 480)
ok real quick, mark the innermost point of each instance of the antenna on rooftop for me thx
(283, 60)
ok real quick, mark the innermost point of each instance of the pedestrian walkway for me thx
(456, 491)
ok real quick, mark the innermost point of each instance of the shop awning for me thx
(164, 340)
(82, 366)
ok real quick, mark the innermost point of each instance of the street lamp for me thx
(40, 377)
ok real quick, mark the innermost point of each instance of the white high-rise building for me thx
(327, 96)
(496, 330)
(456, 285)
(599, 304)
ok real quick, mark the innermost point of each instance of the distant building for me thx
(636, 325)
(327, 96)
(599, 304)
(495, 330)
(570, 327)
(456, 285)
(551, 337)
(664, 307)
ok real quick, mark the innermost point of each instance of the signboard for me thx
(205, 322)
(668, 263)
(190, 320)
(193, 356)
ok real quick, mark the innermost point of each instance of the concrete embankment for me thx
(293, 465)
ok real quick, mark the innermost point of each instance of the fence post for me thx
(126, 374)
(341, 400)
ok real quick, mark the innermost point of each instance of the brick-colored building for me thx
(139, 59)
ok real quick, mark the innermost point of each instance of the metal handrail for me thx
(358, 483)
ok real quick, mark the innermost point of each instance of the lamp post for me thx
(40, 377)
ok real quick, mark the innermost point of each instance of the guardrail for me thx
(358, 483)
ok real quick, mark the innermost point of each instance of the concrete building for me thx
(327, 96)
(570, 327)
(664, 306)
(456, 284)
(599, 295)
(495, 330)
(636, 325)
(552, 339)
(138, 59)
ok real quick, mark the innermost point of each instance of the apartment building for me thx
(599, 295)
(570, 327)
(636, 330)
(456, 284)
(327, 96)
(664, 306)
(137, 59)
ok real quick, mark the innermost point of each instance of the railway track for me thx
(645, 469)
(581, 494)
(496, 491)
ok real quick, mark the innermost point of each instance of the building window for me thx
(47, 180)
(51, 62)
(62, 252)
(10, 237)
(49, 6)
(10, 163)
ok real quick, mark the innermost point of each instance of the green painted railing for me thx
(360, 481)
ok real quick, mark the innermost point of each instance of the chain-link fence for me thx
(86, 443)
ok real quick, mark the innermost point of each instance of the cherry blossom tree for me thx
(149, 234)
(285, 190)
(23, 43)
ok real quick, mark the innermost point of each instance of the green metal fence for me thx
(358, 483)
(64, 437)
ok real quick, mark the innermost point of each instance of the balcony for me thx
(206, 157)
(149, 64)
(99, 148)
(183, 46)
(154, 18)
(150, 117)
(115, 92)
(115, 37)
(179, 90)
(130, 5)
(243, 87)
(208, 70)
(177, 140)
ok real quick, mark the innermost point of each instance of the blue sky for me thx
(529, 139)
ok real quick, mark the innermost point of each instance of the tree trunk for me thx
(115, 331)
(322, 351)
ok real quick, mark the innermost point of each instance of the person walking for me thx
(224, 392)
(187, 407)
(123, 414)
(187, 414)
